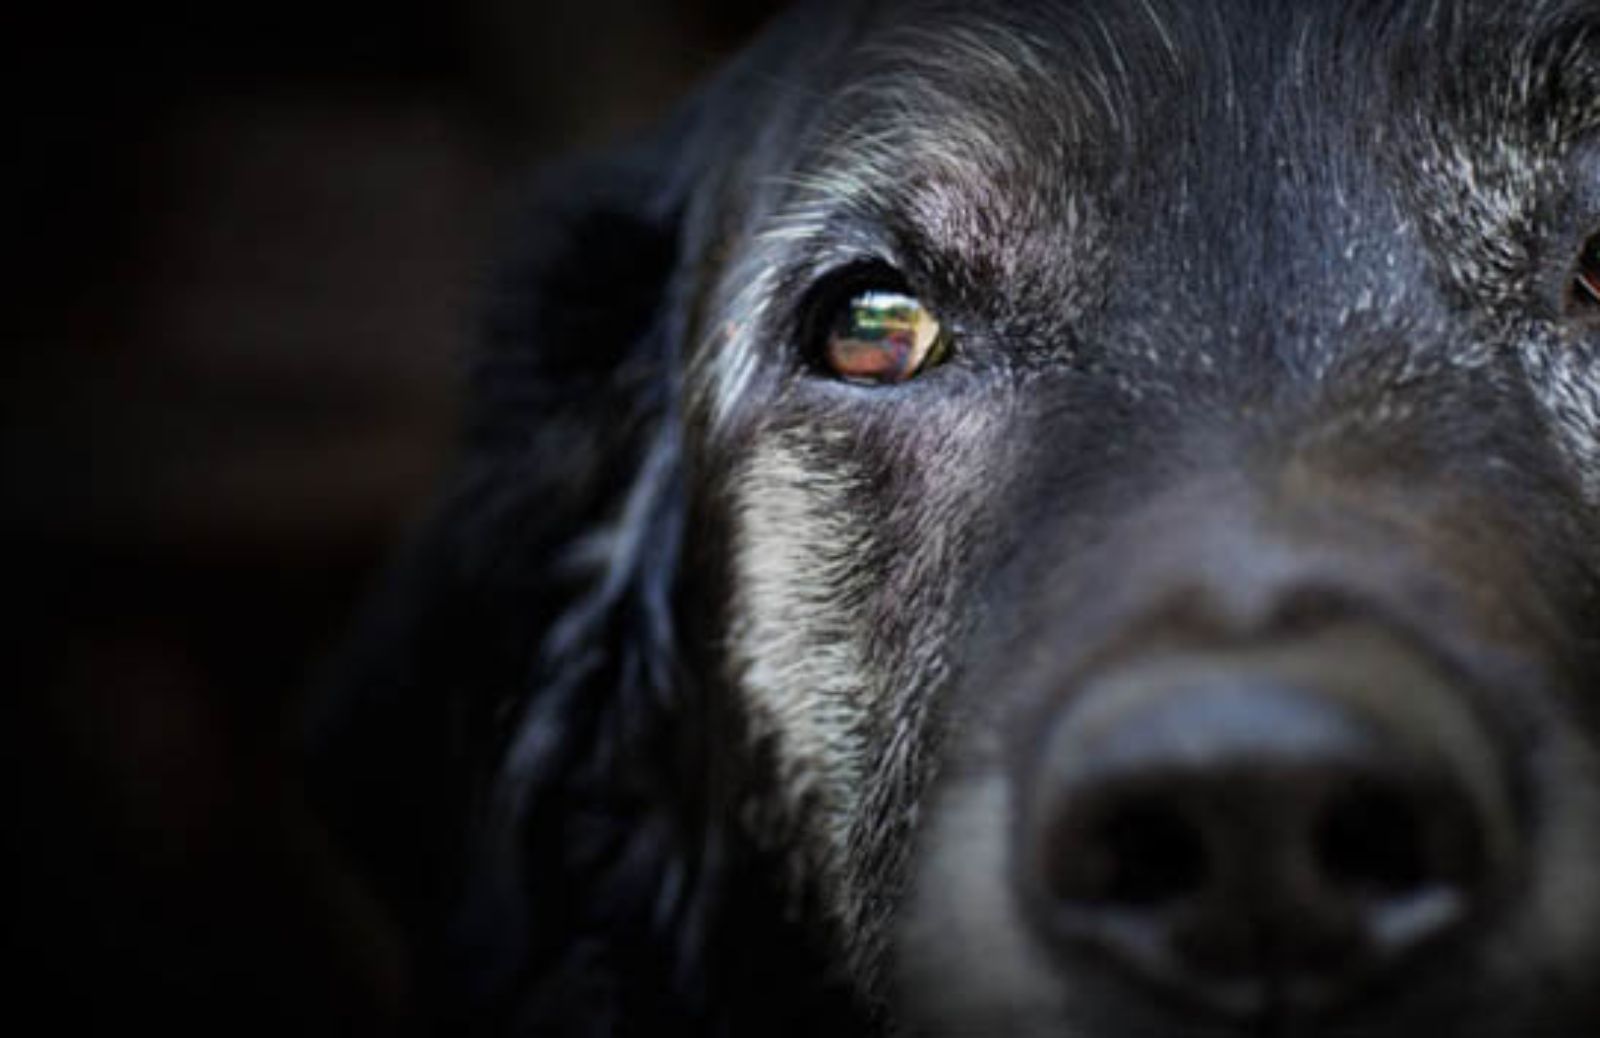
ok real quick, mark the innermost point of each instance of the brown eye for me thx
(1586, 282)
(881, 338)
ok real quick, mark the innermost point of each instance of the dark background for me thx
(241, 248)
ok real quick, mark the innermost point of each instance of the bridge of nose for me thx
(1375, 687)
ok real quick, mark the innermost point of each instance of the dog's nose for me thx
(1266, 832)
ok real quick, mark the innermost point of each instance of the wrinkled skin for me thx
(1264, 326)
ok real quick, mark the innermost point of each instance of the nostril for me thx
(1369, 841)
(1124, 850)
(1412, 859)
(1154, 854)
(1137, 851)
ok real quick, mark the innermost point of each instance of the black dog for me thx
(1027, 518)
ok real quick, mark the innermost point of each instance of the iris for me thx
(881, 337)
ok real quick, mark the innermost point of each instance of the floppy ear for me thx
(505, 689)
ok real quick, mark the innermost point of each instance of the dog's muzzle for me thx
(1259, 767)
(1265, 827)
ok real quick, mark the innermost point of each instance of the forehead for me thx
(1022, 99)
(1079, 70)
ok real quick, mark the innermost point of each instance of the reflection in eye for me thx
(1586, 283)
(883, 337)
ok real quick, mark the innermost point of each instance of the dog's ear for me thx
(529, 620)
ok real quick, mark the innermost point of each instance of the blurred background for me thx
(242, 245)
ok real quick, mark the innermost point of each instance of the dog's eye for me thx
(1586, 281)
(881, 337)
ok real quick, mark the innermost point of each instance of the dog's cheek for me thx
(798, 649)
(850, 563)
(1565, 375)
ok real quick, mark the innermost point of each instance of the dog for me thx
(1025, 518)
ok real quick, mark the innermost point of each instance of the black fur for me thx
(532, 750)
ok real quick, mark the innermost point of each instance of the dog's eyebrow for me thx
(1564, 74)
(1549, 69)
(966, 140)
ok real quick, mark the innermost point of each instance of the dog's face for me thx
(1148, 455)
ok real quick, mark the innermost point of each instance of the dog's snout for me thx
(1270, 828)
